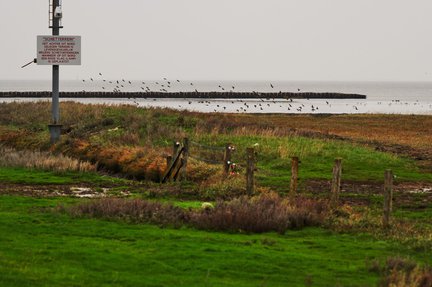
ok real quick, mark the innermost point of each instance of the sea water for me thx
(382, 97)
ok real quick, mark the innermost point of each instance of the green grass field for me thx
(39, 247)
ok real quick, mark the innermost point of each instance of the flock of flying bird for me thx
(260, 105)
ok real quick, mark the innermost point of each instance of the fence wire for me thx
(210, 154)
(205, 160)
(206, 153)
(207, 146)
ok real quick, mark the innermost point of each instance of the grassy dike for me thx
(134, 142)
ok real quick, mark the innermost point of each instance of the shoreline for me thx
(191, 95)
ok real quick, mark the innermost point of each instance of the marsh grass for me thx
(409, 130)
(263, 213)
(10, 157)
(131, 210)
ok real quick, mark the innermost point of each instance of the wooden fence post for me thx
(336, 183)
(294, 177)
(388, 197)
(250, 168)
(227, 158)
(168, 162)
(185, 157)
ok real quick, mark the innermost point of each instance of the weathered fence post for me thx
(185, 157)
(168, 162)
(227, 158)
(388, 197)
(294, 176)
(336, 182)
(250, 168)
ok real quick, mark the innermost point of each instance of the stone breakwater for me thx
(176, 95)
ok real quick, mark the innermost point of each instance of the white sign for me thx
(59, 50)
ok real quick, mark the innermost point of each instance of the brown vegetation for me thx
(263, 213)
(136, 211)
(405, 273)
(42, 160)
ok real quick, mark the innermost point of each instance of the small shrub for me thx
(263, 213)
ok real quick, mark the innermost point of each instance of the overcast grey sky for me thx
(329, 40)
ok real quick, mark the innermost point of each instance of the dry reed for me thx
(42, 160)
(263, 213)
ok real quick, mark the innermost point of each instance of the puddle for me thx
(87, 192)
(420, 191)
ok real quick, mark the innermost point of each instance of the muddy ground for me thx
(416, 195)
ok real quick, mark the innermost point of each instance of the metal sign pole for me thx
(55, 126)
